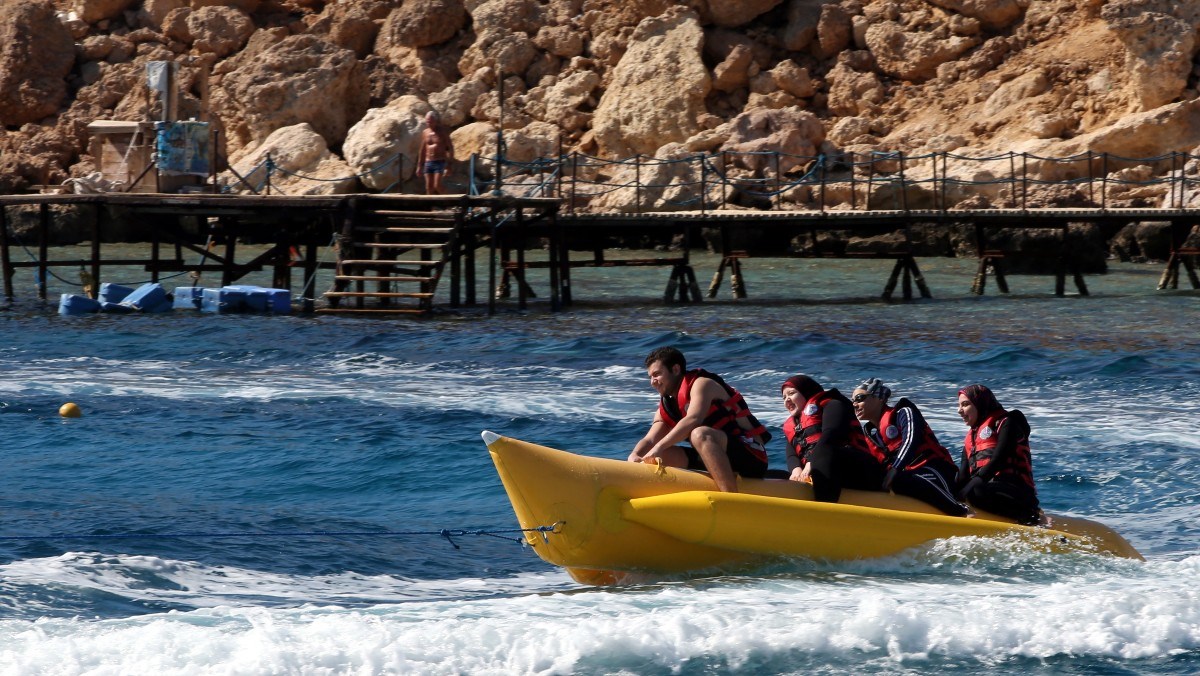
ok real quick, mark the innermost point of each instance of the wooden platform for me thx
(394, 250)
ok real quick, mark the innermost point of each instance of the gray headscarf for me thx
(876, 388)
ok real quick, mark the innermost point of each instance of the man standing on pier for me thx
(700, 408)
(437, 152)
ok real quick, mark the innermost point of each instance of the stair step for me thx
(376, 294)
(404, 245)
(373, 310)
(372, 278)
(383, 262)
(434, 231)
(396, 213)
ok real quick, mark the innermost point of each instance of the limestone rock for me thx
(511, 52)
(1142, 242)
(1160, 40)
(793, 79)
(36, 53)
(354, 26)
(153, 12)
(755, 137)
(1016, 92)
(847, 129)
(993, 14)
(732, 73)
(730, 14)
(508, 16)
(803, 17)
(454, 103)
(300, 78)
(834, 31)
(911, 55)
(220, 30)
(561, 102)
(92, 11)
(657, 90)
(308, 166)
(421, 23)
(669, 181)
(560, 41)
(376, 142)
(853, 93)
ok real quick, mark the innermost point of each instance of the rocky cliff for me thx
(333, 89)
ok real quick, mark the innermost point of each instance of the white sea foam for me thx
(1121, 611)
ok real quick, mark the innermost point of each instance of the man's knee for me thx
(703, 436)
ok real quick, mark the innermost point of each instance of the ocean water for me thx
(212, 511)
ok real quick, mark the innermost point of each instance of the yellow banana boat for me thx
(614, 518)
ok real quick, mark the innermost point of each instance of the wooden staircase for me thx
(390, 261)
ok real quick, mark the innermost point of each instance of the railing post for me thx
(724, 179)
(945, 179)
(823, 185)
(1104, 180)
(853, 185)
(903, 185)
(559, 181)
(1091, 178)
(637, 183)
(703, 183)
(778, 180)
(574, 179)
(1012, 175)
(1024, 181)
(270, 168)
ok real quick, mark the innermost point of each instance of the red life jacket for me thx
(730, 415)
(803, 440)
(980, 445)
(925, 446)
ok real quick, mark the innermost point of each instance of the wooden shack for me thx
(124, 154)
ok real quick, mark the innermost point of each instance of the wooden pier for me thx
(393, 250)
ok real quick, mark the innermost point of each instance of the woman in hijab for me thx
(826, 444)
(996, 473)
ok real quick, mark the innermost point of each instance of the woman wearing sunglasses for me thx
(917, 465)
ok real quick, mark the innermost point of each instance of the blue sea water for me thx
(210, 428)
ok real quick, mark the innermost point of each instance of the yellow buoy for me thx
(69, 410)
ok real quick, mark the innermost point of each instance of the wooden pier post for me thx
(5, 257)
(43, 249)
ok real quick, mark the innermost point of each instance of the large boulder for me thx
(658, 87)
(300, 78)
(422, 23)
(910, 55)
(36, 54)
(730, 14)
(93, 11)
(220, 30)
(308, 168)
(383, 145)
(1160, 41)
(992, 14)
(773, 140)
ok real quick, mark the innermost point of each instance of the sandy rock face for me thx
(756, 136)
(993, 14)
(36, 53)
(91, 11)
(308, 168)
(374, 143)
(422, 23)
(730, 14)
(913, 55)
(657, 90)
(300, 78)
(1160, 42)
(220, 30)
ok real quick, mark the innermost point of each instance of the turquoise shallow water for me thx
(209, 425)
